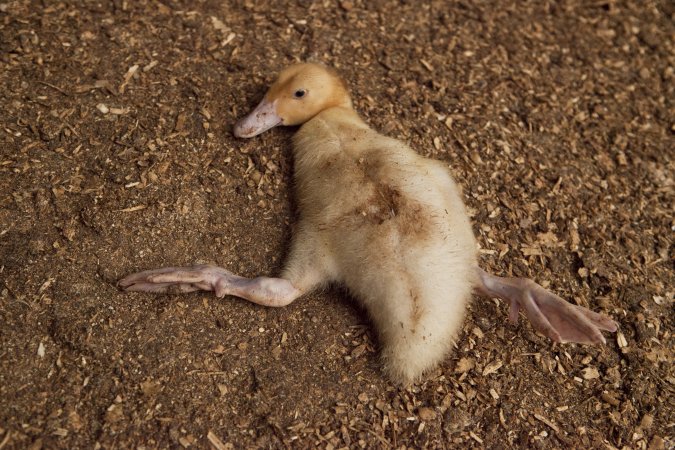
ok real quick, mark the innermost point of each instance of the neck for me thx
(339, 96)
(324, 133)
(341, 117)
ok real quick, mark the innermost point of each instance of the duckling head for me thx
(301, 92)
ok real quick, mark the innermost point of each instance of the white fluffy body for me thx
(391, 226)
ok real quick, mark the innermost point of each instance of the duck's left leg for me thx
(561, 321)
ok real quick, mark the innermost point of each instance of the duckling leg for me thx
(261, 290)
(306, 268)
(552, 316)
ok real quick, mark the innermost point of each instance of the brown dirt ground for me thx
(555, 117)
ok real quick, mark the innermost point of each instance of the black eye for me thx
(299, 93)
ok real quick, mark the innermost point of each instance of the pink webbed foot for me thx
(261, 290)
(549, 314)
(179, 279)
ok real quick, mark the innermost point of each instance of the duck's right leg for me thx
(304, 270)
(261, 290)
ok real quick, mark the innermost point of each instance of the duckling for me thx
(383, 221)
